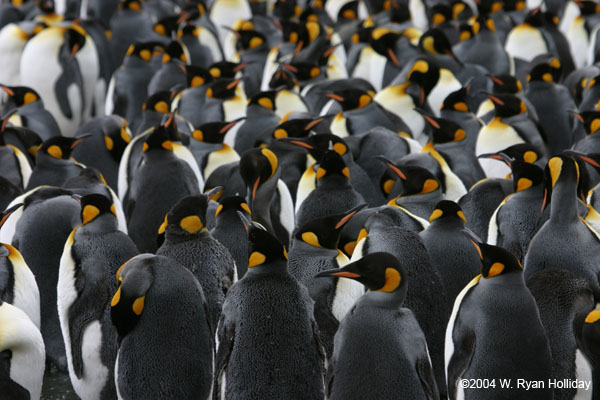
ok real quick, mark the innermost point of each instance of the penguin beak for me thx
(545, 201)
(79, 140)
(349, 216)
(337, 272)
(494, 99)
(7, 90)
(8, 212)
(583, 157)
(252, 193)
(393, 167)
(74, 50)
(228, 126)
(240, 67)
(576, 115)
(289, 67)
(497, 156)
(313, 123)
(475, 241)
(298, 143)
(233, 84)
(334, 97)
(215, 193)
(394, 59)
(431, 121)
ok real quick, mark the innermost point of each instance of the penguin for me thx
(8, 192)
(251, 348)
(91, 256)
(129, 24)
(590, 94)
(53, 163)
(225, 100)
(564, 301)
(550, 99)
(450, 141)
(128, 87)
(104, 147)
(164, 336)
(15, 167)
(169, 75)
(41, 230)
(22, 355)
(224, 13)
(334, 193)
(154, 109)
(565, 240)
(268, 197)
(188, 241)
(208, 148)
(13, 39)
(495, 321)
(393, 329)
(420, 192)
(313, 250)
(230, 232)
(164, 176)
(485, 48)
(18, 286)
(259, 122)
(30, 112)
(66, 75)
(510, 126)
(456, 107)
(451, 252)
(519, 216)
(202, 44)
(426, 296)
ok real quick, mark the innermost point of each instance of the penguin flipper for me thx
(464, 348)
(226, 336)
(80, 316)
(425, 372)
(8, 387)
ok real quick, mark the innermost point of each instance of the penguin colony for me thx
(288, 199)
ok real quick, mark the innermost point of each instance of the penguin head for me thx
(425, 74)
(525, 175)
(257, 166)
(285, 10)
(167, 26)
(213, 132)
(116, 135)
(457, 100)
(447, 210)
(232, 204)
(225, 69)
(248, 39)
(304, 71)
(415, 180)
(332, 164)
(162, 136)
(144, 51)
(175, 50)
(318, 144)
(325, 232)
(19, 96)
(159, 102)
(548, 71)
(525, 152)
(590, 332)
(435, 42)
(351, 98)
(222, 89)
(192, 10)
(465, 32)
(588, 7)
(379, 272)
(507, 105)
(590, 121)
(74, 39)
(133, 5)
(560, 168)
(264, 249)
(135, 279)
(505, 83)
(514, 5)
(60, 147)
(483, 23)
(444, 130)
(31, 140)
(45, 6)
(487, 7)
(440, 13)
(94, 205)
(495, 260)
(187, 217)
(284, 77)
(383, 41)
(592, 159)
(196, 76)
(296, 128)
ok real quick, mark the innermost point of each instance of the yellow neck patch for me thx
(246, 208)
(461, 106)
(340, 148)
(459, 135)
(420, 66)
(191, 224)
(363, 100)
(108, 142)
(161, 107)
(461, 215)
(388, 185)
(197, 81)
(198, 135)
(392, 280)
(595, 125)
(55, 151)
(266, 103)
(116, 298)
(523, 183)
(495, 269)
(280, 133)
(362, 234)
(555, 166)
(530, 157)
(311, 238)
(163, 226)
(138, 305)
(29, 98)
(272, 160)
(321, 172)
(89, 213)
(429, 186)
(435, 214)
(255, 259)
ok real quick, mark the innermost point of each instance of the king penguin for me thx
(495, 333)
(165, 340)
(451, 252)
(376, 328)
(22, 355)
(187, 241)
(91, 256)
(267, 358)
(314, 249)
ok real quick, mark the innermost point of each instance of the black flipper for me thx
(427, 378)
